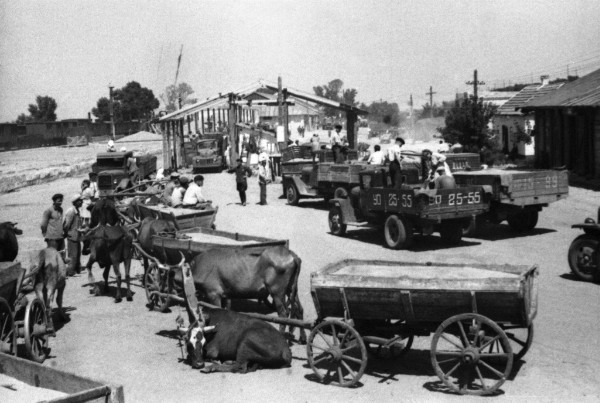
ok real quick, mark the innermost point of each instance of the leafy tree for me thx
(427, 112)
(132, 102)
(384, 112)
(42, 111)
(333, 90)
(172, 94)
(467, 124)
(23, 118)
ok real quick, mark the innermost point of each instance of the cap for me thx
(174, 175)
(184, 179)
(75, 197)
(400, 139)
(338, 127)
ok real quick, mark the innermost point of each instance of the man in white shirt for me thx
(394, 155)
(193, 194)
(179, 192)
(433, 164)
(376, 158)
(336, 143)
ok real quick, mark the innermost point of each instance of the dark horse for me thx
(110, 244)
(9, 247)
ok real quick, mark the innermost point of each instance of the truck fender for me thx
(300, 185)
(346, 209)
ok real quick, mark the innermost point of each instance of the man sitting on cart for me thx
(193, 197)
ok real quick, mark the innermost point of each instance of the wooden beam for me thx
(351, 119)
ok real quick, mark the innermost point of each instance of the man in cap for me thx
(193, 195)
(241, 171)
(72, 223)
(170, 186)
(51, 226)
(263, 175)
(179, 192)
(336, 143)
(394, 156)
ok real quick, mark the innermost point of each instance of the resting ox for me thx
(9, 247)
(50, 278)
(229, 336)
(222, 274)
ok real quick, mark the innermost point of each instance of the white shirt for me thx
(177, 196)
(376, 158)
(335, 138)
(394, 153)
(193, 195)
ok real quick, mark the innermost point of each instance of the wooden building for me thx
(567, 127)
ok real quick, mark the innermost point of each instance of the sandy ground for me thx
(127, 344)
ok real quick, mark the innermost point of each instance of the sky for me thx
(386, 50)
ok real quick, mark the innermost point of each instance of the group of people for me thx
(180, 192)
(243, 171)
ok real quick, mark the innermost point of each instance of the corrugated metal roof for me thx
(524, 96)
(584, 91)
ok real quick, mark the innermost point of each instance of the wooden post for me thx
(233, 155)
(202, 121)
(175, 130)
(351, 119)
(286, 117)
(166, 148)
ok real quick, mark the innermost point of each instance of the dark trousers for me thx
(395, 174)
(74, 250)
(241, 188)
(263, 193)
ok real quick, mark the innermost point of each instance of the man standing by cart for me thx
(52, 225)
(241, 171)
(71, 225)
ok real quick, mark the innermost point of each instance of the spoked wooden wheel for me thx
(336, 353)
(471, 354)
(7, 329)
(520, 339)
(395, 348)
(155, 281)
(35, 330)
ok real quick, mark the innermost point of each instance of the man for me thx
(52, 224)
(71, 225)
(336, 145)
(179, 192)
(376, 158)
(394, 155)
(193, 195)
(432, 163)
(168, 191)
(132, 168)
(263, 175)
(110, 147)
(315, 146)
(241, 171)
(94, 184)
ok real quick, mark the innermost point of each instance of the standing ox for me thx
(9, 247)
(149, 228)
(50, 278)
(222, 274)
(230, 336)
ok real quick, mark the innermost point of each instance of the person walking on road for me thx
(263, 177)
(52, 225)
(394, 155)
(72, 223)
(241, 172)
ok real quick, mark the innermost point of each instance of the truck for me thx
(518, 195)
(113, 173)
(409, 209)
(208, 156)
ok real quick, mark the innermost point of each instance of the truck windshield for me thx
(111, 162)
(206, 145)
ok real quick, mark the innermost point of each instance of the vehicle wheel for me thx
(8, 336)
(395, 349)
(340, 193)
(451, 232)
(523, 221)
(35, 330)
(520, 339)
(583, 257)
(154, 281)
(336, 226)
(291, 194)
(336, 353)
(471, 354)
(398, 232)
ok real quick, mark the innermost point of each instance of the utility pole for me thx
(430, 93)
(475, 83)
(111, 110)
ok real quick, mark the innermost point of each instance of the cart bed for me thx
(425, 292)
(9, 275)
(184, 218)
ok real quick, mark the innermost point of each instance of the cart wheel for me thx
(396, 349)
(154, 281)
(398, 232)
(583, 259)
(471, 354)
(336, 226)
(7, 329)
(35, 330)
(336, 353)
(291, 193)
(520, 339)
(523, 221)
(451, 232)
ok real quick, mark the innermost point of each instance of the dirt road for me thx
(125, 343)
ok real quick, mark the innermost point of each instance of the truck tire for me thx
(291, 194)
(336, 226)
(398, 232)
(524, 221)
(583, 259)
(451, 232)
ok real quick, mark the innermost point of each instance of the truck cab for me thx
(208, 156)
(113, 172)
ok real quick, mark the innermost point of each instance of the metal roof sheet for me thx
(524, 96)
(584, 91)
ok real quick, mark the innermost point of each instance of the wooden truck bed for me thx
(184, 218)
(425, 292)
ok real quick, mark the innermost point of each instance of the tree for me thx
(132, 102)
(426, 112)
(23, 118)
(42, 111)
(332, 91)
(467, 124)
(384, 112)
(172, 94)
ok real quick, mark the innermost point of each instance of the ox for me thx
(9, 247)
(222, 274)
(150, 227)
(50, 278)
(229, 336)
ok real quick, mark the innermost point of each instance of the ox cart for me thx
(182, 218)
(189, 243)
(481, 318)
(23, 319)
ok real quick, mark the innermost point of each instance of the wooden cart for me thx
(481, 317)
(22, 318)
(183, 218)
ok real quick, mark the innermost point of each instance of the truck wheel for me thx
(524, 221)
(291, 194)
(583, 258)
(451, 232)
(340, 193)
(336, 225)
(398, 232)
